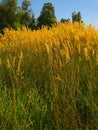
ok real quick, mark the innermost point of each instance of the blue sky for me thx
(64, 9)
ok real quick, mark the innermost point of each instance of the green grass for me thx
(42, 90)
(45, 96)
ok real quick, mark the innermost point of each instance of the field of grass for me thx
(49, 78)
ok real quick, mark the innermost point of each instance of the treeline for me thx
(14, 16)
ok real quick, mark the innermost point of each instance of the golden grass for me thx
(49, 78)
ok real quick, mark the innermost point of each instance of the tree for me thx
(14, 16)
(11, 5)
(25, 5)
(76, 17)
(47, 15)
(63, 20)
(3, 18)
(8, 12)
(33, 23)
(26, 15)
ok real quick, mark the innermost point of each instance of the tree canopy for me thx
(76, 17)
(47, 15)
(63, 20)
(14, 16)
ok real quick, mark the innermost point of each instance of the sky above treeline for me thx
(64, 9)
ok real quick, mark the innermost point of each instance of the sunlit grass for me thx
(49, 78)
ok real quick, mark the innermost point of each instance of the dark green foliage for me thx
(76, 17)
(25, 5)
(47, 16)
(63, 20)
(3, 18)
(10, 4)
(14, 16)
(25, 14)
(8, 14)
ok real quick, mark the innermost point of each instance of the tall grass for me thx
(49, 78)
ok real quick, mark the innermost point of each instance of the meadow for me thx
(49, 78)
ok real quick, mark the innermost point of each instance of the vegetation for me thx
(47, 16)
(14, 16)
(76, 17)
(49, 78)
(63, 20)
(7, 13)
